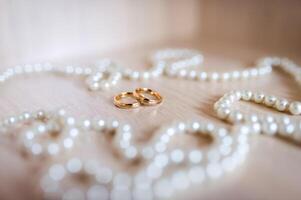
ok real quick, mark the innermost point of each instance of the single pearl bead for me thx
(270, 100)
(269, 128)
(219, 104)
(145, 76)
(94, 86)
(86, 124)
(203, 76)
(182, 73)
(235, 117)
(135, 75)
(214, 76)
(247, 95)
(235, 75)
(26, 115)
(192, 74)
(258, 97)
(237, 94)
(225, 76)
(40, 114)
(295, 108)
(79, 71)
(286, 129)
(281, 104)
(12, 120)
(255, 128)
(245, 74)
(268, 118)
(223, 112)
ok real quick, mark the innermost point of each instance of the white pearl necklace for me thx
(266, 124)
(226, 152)
(179, 63)
(223, 155)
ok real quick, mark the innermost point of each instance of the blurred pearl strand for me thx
(60, 133)
(223, 155)
(176, 63)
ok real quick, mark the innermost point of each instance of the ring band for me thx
(118, 100)
(138, 93)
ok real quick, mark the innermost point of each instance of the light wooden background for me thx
(231, 34)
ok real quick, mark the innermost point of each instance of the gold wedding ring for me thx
(140, 97)
(139, 93)
(118, 100)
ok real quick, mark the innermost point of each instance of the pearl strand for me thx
(179, 63)
(227, 151)
(106, 75)
(175, 155)
(13, 122)
(182, 64)
(45, 133)
(51, 137)
(43, 67)
(266, 124)
(223, 155)
(285, 64)
(57, 176)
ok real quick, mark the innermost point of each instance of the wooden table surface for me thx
(272, 168)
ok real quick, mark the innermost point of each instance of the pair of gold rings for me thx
(140, 98)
